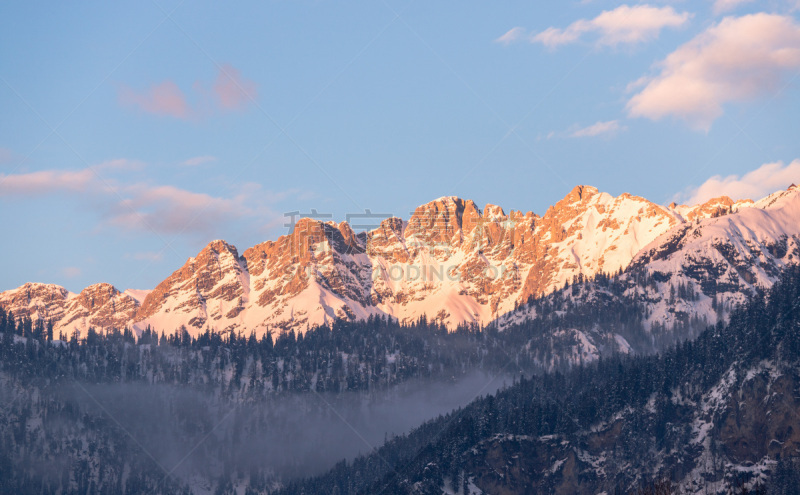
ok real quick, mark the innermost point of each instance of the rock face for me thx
(451, 261)
(100, 306)
(45, 301)
(209, 286)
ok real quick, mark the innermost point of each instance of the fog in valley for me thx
(194, 435)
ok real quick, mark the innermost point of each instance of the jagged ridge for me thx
(450, 261)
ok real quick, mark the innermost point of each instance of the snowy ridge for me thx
(700, 269)
(451, 262)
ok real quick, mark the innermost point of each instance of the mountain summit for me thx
(451, 261)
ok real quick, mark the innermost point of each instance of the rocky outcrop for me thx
(100, 306)
(35, 300)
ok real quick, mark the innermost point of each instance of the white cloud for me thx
(143, 206)
(599, 128)
(754, 185)
(199, 160)
(602, 128)
(173, 210)
(722, 6)
(513, 35)
(738, 59)
(623, 25)
(46, 181)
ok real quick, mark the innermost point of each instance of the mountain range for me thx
(452, 263)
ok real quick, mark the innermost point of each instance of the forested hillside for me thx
(707, 415)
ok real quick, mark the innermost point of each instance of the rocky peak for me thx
(350, 241)
(218, 247)
(439, 222)
(96, 295)
(35, 300)
(712, 208)
(470, 218)
(198, 277)
(388, 241)
(393, 225)
(312, 238)
(31, 291)
(579, 194)
(491, 212)
(100, 306)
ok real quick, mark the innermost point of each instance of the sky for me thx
(135, 133)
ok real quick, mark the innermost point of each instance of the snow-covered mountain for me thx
(451, 262)
(689, 277)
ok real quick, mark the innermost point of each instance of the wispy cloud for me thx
(143, 206)
(610, 127)
(755, 184)
(513, 35)
(232, 90)
(623, 25)
(46, 182)
(722, 6)
(164, 99)
(170, 209)
(599, 129)
(198, 160)
(229, 92)
(71, 271)
(738, 59)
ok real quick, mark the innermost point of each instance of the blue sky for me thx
(134, 134)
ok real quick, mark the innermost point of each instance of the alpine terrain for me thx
(611, 345)
(453, 263)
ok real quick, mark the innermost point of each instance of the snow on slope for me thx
(137, 294)
(450, 261)
(726, 257)
(694, 274)
(100, 305)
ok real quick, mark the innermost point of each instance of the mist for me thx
(194, 435)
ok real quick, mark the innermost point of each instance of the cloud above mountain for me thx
(754, 185)
(738, 59)
(622, 25)
(143, 205)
